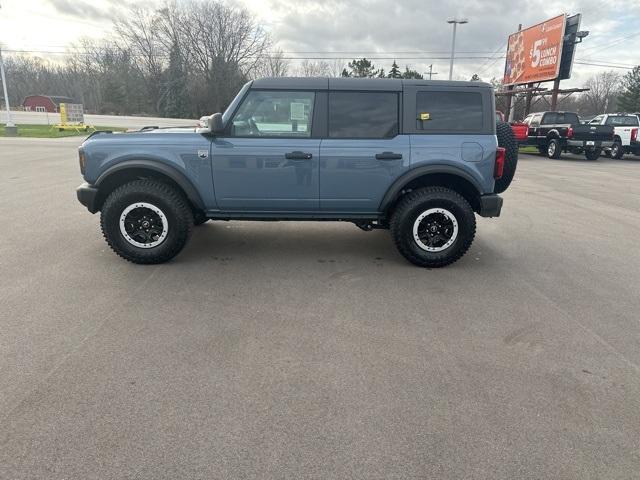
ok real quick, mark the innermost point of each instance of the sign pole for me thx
(554, 94)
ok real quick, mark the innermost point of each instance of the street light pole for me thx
(455, 23)
(10, 126)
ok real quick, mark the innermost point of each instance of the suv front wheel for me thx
(146, 221)
(433, 226)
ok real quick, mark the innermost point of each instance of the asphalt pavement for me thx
(314, 350)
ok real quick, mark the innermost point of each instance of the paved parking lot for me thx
(313, 350)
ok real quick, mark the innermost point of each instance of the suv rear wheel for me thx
(146, 221)
(433, 226)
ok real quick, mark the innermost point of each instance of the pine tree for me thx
(175, 91)
(395, 71)
(629, 99)
(361, 68)
(475, 78)
(414, 74)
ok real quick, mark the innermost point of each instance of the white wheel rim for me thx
(552, 148)
(433, 229)
(126, 229)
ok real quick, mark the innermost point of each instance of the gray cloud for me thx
(76, 8)
(420, 25)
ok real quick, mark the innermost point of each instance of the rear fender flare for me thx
(397, 186)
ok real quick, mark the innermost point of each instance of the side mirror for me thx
(215, 123)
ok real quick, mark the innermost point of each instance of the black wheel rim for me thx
(143, 225)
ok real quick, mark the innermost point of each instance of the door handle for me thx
(388, 156)
(297, 155)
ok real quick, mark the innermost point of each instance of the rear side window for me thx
(535, 121)
(568, 118)
(363, 114)
(438, 111)
(622, 121)
(550, 118)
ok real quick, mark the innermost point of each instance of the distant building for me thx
(44, 103)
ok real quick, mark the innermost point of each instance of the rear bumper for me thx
(596, 143)
(490, 205)
(87, 195)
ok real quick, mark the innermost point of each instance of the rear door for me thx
(268, 160)
(363, 152)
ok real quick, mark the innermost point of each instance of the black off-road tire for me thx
(506, 140)
(165, 197)
(412, 205)
(199, 218)
(555, 151)
(593, 154)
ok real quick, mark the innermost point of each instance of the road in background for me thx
(314, 350)
(44, 118)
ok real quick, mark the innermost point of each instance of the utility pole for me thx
(431, 72)
(455, 23)
(10, 130)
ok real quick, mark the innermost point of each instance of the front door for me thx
(363, 152)
(268, 161)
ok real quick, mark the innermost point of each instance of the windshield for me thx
(234, 104)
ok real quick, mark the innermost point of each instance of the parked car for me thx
(418, 158)
(625, 139)
(556, 132)
(519, 129)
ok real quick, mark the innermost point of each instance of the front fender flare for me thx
(397, 186)
(173, 173)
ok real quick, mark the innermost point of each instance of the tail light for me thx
(499, 166)
(570, 133)
(82, 160)
(634, 134)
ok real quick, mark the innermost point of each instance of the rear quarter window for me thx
(622, 121)
(442, 112)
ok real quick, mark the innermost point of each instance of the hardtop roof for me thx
(348, 83)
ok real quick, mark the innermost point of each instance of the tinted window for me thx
(568, 118)
(449, 111)
(274, 114)
(550, 118)
(363, 114)
(622, 121)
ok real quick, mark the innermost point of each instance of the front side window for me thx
(363, 114)
(438, 111)
(274, 113)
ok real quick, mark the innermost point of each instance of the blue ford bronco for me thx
(419, 158)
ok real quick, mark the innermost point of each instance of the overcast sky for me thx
(372, 28)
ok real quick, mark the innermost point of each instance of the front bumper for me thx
(87, 196)
(490, 205)
(594, 144)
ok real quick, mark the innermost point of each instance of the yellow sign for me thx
(425, 116)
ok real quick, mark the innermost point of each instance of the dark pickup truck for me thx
(555, 132)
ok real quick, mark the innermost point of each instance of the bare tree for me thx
(602, 90)
(313, 68)
(272, 65)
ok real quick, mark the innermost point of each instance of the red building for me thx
(44, 103)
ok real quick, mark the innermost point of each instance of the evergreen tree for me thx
(395, 71)
(345, 73)
(476, 78)
(414, 74)
(629, 99)
(361, 68)
(175, 90)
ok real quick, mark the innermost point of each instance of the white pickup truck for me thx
(626, 133)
